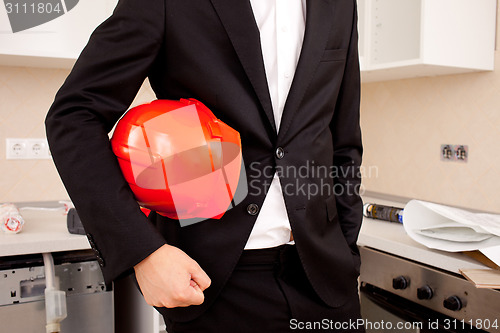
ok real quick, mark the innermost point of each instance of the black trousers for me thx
(269, 292)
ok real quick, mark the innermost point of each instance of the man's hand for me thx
(170, 278)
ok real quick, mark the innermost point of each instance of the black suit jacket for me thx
(210, 50)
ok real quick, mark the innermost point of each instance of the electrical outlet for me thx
(15, 149)
(461, 153)
(447, 153)
(456, 153)
(23, 149)
(37, 149)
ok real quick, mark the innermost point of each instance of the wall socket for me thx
(458, 153)
(27, 149)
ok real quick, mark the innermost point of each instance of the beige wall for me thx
(25, 96)
(404, 123)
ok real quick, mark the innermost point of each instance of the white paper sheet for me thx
(493, 253)
(452, 229)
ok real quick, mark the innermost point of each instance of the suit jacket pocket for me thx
(334, 55)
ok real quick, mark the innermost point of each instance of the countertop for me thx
(45, 231)
(391, 237)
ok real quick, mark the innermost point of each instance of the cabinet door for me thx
(394, 30)
(413, 38)
(56, 43)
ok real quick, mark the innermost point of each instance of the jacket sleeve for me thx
(104, 81)
(347, 144)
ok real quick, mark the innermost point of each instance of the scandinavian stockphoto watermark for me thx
(26, 14)
(310, 179)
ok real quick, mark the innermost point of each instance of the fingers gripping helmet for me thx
(180, 160)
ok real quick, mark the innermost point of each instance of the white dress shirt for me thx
(281, 24)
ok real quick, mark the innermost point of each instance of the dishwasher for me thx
(22, 301)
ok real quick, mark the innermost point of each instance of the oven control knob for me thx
(400, 282)
(453, 303)
(424, 292)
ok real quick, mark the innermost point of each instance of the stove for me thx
(402, 295)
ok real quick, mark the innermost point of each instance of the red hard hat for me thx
(180, 160)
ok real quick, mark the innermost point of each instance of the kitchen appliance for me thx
(402, 295)
(22, 306)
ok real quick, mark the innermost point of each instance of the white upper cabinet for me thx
(412, 38)
(56, 43)
(398, 38)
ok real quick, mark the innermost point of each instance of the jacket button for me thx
(253, 209)
(280, 153)
(100, 261)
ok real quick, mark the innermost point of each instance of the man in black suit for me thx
(203, 277)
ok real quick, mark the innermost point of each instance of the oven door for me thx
(386, 312)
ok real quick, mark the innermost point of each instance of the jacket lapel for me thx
(318, 27)
(239, 22)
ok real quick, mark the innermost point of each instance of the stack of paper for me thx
(452, 229)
